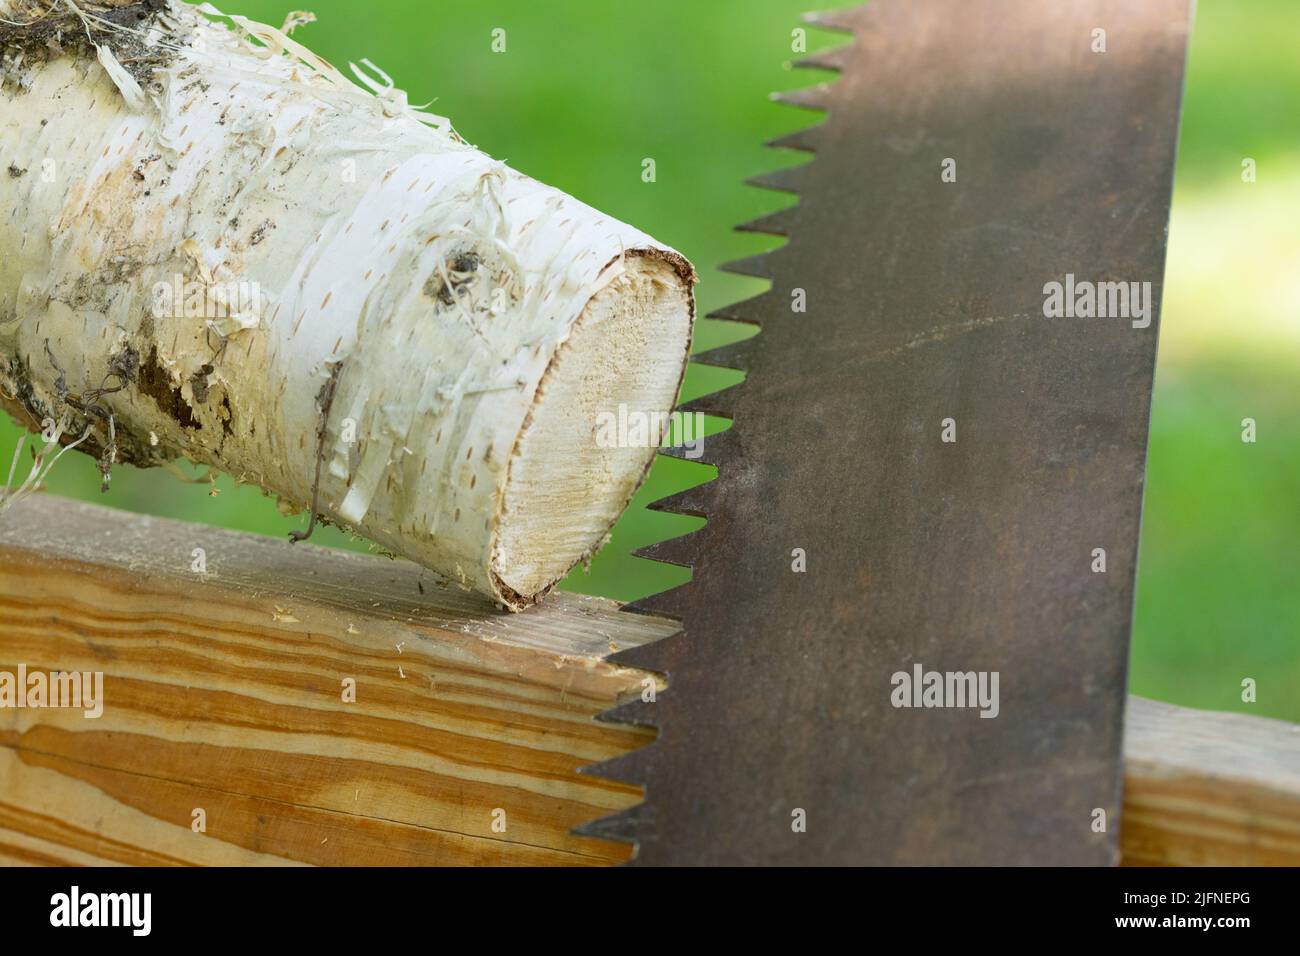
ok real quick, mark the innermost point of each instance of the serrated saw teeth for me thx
(630, 825)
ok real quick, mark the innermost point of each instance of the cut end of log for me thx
(599, 415)
(481, 323)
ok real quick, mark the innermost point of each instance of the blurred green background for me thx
(588, 88)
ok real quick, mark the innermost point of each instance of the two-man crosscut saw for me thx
(950, 439)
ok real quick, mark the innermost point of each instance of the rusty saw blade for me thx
(950, 455)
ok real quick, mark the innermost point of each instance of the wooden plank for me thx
(223, 691)
(1209, 789)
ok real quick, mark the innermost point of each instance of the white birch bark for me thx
(471, 322)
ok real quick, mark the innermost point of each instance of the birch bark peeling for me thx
(238, 256)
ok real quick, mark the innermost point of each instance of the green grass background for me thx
(588, 88)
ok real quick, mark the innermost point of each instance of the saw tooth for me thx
(636, 712)
(734, 355)
(715, 447)
(783, 180)
(681, 452)
(805, 97)
(740, 311)
(757, 266)
(662, 604)
(625, 768)
(622, 827)
(687, 502)
(836, 58)
(802, 139)
(680, 551)
(773, 224)
(717, 404)
(647, 657)
(720, 446)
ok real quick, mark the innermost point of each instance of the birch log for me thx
(213, 245)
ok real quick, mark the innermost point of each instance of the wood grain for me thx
(1209, 789)
(223, 691)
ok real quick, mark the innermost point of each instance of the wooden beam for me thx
(1209, 789)
(223, 691)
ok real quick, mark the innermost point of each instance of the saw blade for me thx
(906, 636)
